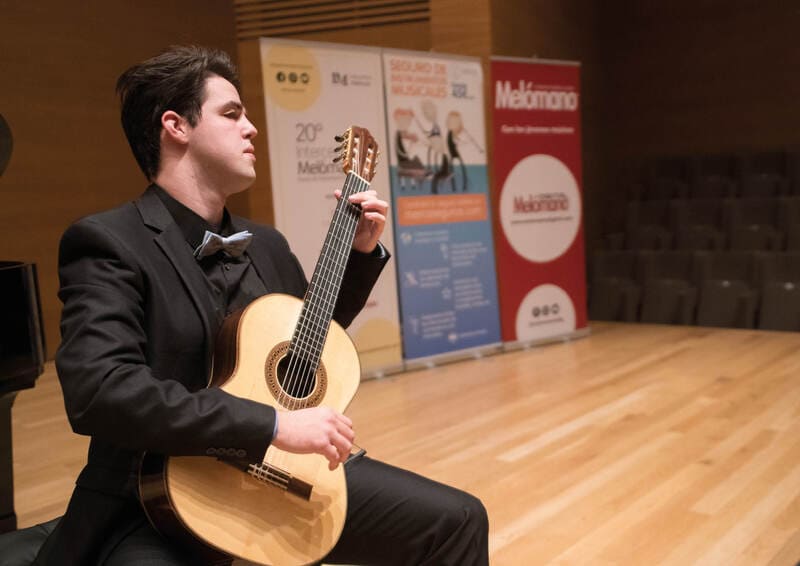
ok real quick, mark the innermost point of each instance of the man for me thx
(143, 304)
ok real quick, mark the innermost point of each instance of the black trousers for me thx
(393, 517)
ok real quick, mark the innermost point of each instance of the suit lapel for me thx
(259, 253)
(172, 242)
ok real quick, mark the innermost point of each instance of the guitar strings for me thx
(311, 332)
(292, 378)
(298, 370)
(302, 368)
(326, 289)
(302, 380)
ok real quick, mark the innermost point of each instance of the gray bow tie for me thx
(234, 245)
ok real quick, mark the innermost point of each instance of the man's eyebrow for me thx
(233, 105)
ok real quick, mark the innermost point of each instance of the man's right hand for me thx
(319, 430)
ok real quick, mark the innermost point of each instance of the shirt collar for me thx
(192, 225)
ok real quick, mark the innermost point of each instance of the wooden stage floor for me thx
(635, 445)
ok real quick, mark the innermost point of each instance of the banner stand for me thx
(560, 339)
(460, 356)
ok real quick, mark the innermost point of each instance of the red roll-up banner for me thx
(537, 199)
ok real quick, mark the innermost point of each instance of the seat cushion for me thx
(19, 548)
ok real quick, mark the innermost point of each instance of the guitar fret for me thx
(323, 290)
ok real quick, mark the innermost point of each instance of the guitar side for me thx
(228, 510)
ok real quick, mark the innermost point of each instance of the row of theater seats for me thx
(710, 224)
(758, 174)
(735, 289)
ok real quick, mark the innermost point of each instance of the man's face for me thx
(221, 142)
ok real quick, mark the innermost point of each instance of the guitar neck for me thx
(323, 290)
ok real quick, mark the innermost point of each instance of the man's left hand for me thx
(372, 221)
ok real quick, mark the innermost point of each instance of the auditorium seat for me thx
(789, 214)
(613, 290)
(648, 225)
(666, 188)
(754, 224)
(780, 306)
(669, 295)
(699, 224)
(713, 176)
(727, 289)
(764, 174)
(726, 303)
(668, 301)
(779, 281)
(667, 178)
(713, 186)
(763, 185)
(793, 173)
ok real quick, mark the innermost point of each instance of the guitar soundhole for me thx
(295, 376)
(291, 381)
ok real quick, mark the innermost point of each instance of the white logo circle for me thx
(546, 311)
(540, 208)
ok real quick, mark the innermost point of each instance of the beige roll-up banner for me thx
(314, 91)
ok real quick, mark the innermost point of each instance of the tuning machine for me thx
(341, 149)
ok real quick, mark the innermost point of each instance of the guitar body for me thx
(223, 507)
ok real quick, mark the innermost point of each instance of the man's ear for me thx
(175, 126)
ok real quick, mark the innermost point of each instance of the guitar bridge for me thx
(280, 478)
(273, 476)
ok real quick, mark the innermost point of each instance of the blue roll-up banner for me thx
(444, 249)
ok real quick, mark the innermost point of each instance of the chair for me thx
(613, 290)
(713, 176)
(779, 281)
(764, 174)
(780, 306)
(734, 265)
(669, 295)
(793, 173)
(762, 185)
(699, 224)
(726, 303)
(753, 224)
(667, 178)
(668, 301)
(727, 283)
(648, 226)
(789, 221)
(19, 548)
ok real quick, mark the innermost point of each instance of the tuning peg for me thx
(338, 158)
(339, 139)
(338, 149)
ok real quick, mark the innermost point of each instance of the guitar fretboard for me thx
(323, 290)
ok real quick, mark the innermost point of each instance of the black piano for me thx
(22, 355)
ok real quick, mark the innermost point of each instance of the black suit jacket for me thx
(138, 329)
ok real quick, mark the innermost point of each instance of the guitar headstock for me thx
(358, 152)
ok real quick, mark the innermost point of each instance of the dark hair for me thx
(174, 80)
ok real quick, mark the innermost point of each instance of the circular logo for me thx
(545, 311)
(540, 208)
(291, 77)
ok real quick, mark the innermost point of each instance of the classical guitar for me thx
(288, 508)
